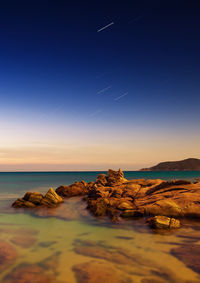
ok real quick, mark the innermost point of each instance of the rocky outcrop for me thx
(178, 198)
(113, 196)
(32, 200)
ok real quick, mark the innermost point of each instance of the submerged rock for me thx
(163, 222)
(24, 241)
(45, 271)
(32, 200)
(8, 255)
(189, 254)
(29, 274)
(122, 259)
(109, 253)
(97, 272)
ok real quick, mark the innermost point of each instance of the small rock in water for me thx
(8, 255)
(163, 222)
(32, 200)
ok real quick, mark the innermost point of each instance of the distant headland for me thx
(189, 164)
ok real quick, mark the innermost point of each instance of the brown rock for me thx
(101, 180)
(98, 207)
(123, 259)
(32, 200)
(21, 203)
(178, 198)
(8, 255)
(76, 189)
(131, 213)
(35, 198)
(116, 193)
(125, 205)
(189, 254)
(115, 177)
(24, 241)
(51, 263)
(51, 199)
(29, 274)
(109, 253)
(97, 272)
(27, 195)
(163, 222)
(153, 280)
(98, 192)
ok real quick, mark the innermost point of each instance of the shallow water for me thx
(71, 237)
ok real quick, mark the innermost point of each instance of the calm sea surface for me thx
(70, 242)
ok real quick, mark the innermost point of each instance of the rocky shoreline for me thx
(162, 203)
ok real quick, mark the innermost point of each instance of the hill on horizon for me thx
(189, 164)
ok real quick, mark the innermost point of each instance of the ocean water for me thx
(70, 245)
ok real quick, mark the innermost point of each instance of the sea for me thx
(68, 244)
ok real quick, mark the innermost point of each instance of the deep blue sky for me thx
(54, 63)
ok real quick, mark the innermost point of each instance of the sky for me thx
(92, 85)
